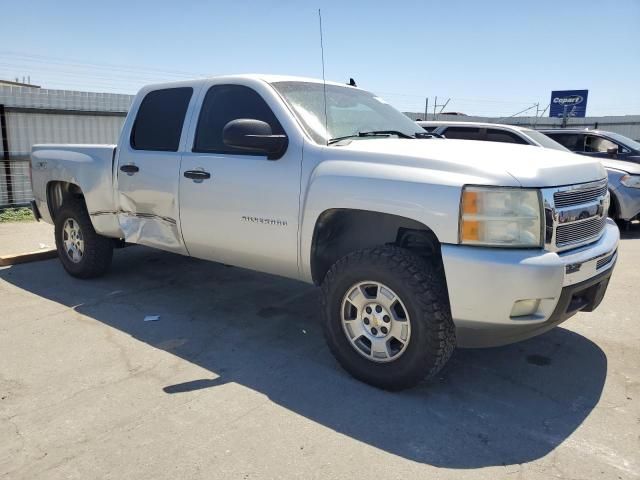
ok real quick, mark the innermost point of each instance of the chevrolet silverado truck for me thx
(420, 244)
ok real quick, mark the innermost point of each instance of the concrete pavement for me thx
(22, 237)
(235, 381)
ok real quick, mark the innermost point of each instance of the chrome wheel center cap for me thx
(376, 320)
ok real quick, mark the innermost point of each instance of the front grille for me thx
(569, 198)
(575, 215)
(580, 231)
(605, 260)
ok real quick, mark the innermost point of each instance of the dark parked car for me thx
(619, 154)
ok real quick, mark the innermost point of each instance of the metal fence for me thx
(30, 116)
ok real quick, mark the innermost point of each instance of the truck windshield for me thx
(350, 112)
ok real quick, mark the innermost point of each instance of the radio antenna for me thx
(324, 81)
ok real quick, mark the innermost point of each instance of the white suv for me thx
(491, 132)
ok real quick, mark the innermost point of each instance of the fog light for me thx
(525, 307)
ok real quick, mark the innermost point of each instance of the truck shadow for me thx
(501, 406)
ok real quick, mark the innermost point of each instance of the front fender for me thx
(379, 188)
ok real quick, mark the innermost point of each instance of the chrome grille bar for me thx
(578, 197)
(579, 232)
(575, 215)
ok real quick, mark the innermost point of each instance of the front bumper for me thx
(484, 284)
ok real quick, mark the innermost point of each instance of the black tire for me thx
(420, 284)
(98, 250)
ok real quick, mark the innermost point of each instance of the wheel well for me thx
(341, 231)
(58, 192)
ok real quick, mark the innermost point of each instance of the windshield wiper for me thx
(371, 133)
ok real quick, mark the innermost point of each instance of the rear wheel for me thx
(83, 253)
(387, 316)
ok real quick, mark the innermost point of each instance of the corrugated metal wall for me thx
(52, 116)
(26, 129)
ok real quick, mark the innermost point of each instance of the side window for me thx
(158, 124)
(504, 136)
(463, 133)
(572, 141)
(429, 129)
(224, 103)
(598, 144)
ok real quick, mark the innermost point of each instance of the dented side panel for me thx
(148, 199)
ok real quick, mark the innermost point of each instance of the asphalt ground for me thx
(234, 380)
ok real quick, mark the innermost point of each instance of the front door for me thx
(238, 207)
(148, 170)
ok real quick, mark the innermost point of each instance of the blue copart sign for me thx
(573, 101)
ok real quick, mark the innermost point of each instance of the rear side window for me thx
(158, 124)
(504, 136)
(572, 141)
(224, 103)
(463, 133)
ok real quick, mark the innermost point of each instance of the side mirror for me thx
(613, 151)
(254, 136)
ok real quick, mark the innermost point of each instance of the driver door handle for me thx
(197, 175)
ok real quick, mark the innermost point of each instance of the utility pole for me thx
(426, 107)
(436, 105)
(564, 116)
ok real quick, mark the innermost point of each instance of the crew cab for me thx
(419, 243)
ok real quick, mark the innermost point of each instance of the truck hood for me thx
(494, 163)
(629, 167)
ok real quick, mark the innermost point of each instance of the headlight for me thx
(500, 217)
(631, 181)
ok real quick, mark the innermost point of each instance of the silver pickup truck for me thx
(419, 243)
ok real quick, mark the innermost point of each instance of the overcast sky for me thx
(490, 57)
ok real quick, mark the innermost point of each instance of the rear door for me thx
(148, 170)
(242, 209)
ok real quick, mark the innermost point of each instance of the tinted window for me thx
(224, 103)
(598, 144)
(573, 141)
(542, 140)
(463, 133)
(429, 129)
(160, 118)
(495, 135)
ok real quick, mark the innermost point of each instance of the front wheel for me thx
(387, 316)
(83, 252)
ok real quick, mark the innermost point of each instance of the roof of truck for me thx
(254, 76)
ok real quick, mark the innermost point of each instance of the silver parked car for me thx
(623, 167)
